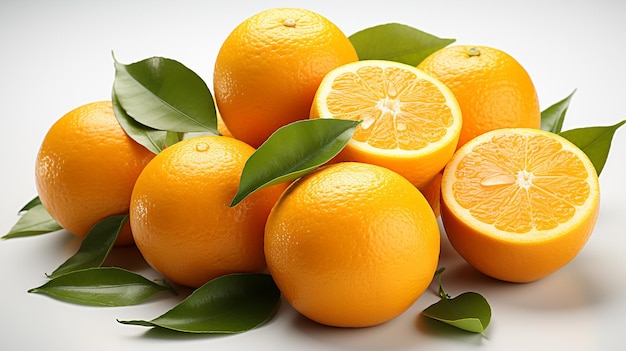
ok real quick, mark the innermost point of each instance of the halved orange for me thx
(410, 121)
(518, 204)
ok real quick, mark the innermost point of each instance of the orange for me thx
(518, 204)
(269, 67)
(86, 169)
(221, 127)
(492, 88)
(180, 215)
(352, 244)
(432, 193)
(410, 120)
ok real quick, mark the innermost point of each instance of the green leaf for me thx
(396, 42)
(469, 311)
(552, 118)
(36, 220)
(152, 139)
(229, 304)
(293, 151)
(95, 246)
(32, 203)
(164, 94)
(594, 141)
(172, 138)
(101, 287)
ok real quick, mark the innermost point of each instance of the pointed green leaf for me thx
(469, 311)
(101, 287)
(552, 118)
(164, 94)
(293, 151)
(396, 42)
(36, 220)
(172, 138)
(229, 304)
(594, 141)
(152, 139)
(95, 246)
(32, 203)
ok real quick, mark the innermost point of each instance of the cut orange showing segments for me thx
(411, 122)
(518, 204)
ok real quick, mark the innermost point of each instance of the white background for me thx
(56, 55)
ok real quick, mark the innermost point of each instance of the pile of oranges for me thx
(355, 242)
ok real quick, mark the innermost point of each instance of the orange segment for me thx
(537, 189)
(518, 204)
(410, 121)
(392, 102)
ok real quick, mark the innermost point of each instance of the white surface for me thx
(56, 55)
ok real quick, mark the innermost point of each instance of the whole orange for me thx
(352, 244)
(86, 169)
(180, 215)
(493, 90)
(269, 67)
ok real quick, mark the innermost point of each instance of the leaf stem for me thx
(442, 292)
(166, 284)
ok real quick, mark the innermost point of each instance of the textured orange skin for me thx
(352, 245)
(266, 73)
(221, 127)
(493, 90)
(409, 168)
(86, 169)
(432, 193)
(180, 214)
(511, 261)
(518, 261)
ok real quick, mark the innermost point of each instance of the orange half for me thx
(519, 204)
(410, 121)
